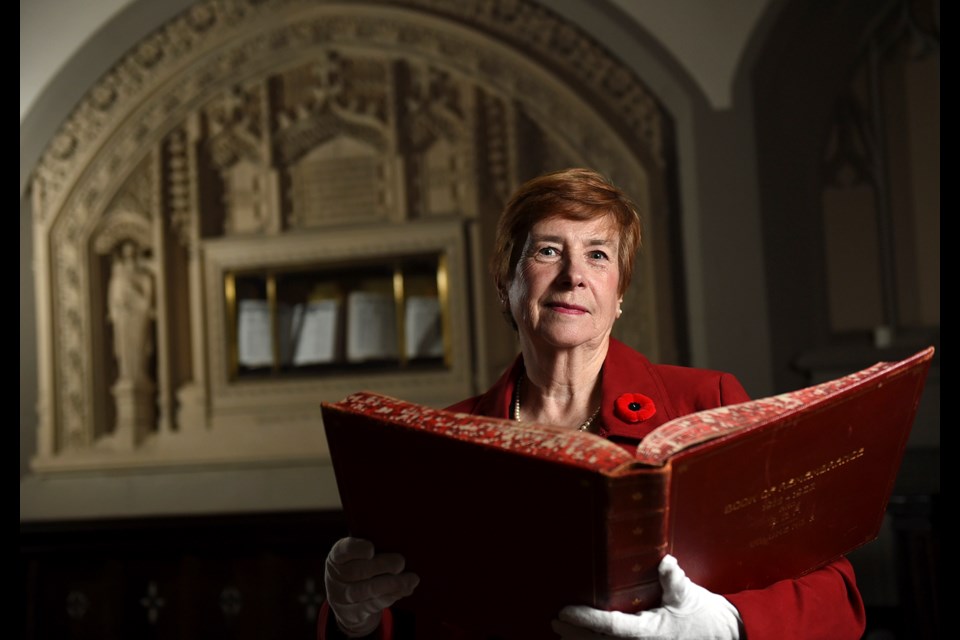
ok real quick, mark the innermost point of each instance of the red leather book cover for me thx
(507, 522)
(805, 478)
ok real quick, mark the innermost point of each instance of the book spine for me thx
(635, 537)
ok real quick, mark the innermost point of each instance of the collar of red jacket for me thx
(625, 371)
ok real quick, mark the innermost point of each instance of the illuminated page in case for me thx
(317, 339)
(372, 326)
(254, 334)
(422, 328)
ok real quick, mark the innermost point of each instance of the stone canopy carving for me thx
(246, 135)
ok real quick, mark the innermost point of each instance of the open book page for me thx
(422, 329)
(316, 340)
(289, 322)
(371, 326)
(686, 431)
(254, 334)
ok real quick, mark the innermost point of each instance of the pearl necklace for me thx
(516, 407)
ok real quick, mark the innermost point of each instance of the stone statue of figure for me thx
(131, 311)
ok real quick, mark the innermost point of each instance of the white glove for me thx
(361, 584)
(688, 611)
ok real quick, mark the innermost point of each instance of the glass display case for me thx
(387, 314)
(298, 318)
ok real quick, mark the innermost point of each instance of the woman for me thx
(563, 259)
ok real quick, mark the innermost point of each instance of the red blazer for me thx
(675, 391)
(823, 604)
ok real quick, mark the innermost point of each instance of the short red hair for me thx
(576, 194)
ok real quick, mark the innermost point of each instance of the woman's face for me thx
(564, 292)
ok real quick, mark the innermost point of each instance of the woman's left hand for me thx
(688, 611)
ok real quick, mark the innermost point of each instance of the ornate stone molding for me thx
(215, 127)
(201, 30)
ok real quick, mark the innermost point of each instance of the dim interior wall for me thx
(724, 290)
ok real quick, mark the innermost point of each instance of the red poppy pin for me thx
(634, 407)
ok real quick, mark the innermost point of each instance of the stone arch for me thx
(514, 89)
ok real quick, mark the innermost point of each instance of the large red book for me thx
(507, 522)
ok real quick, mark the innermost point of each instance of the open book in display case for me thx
(299, 318)
(385, 313)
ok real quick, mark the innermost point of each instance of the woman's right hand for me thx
(361, 583)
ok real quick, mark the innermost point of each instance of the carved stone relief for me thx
(295, 121)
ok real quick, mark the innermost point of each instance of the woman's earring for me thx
(619, 311)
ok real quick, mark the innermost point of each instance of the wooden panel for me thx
(231, 577)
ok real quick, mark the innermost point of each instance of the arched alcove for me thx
(278, 135)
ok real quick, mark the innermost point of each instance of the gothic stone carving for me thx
(244, 119)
